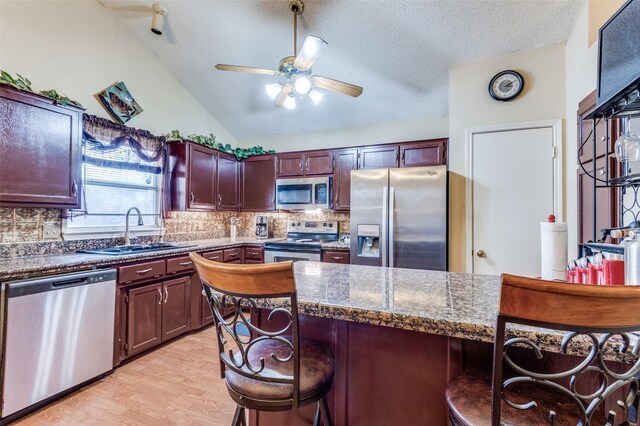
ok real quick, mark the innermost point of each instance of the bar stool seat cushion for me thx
(469, 399)
(316, 371)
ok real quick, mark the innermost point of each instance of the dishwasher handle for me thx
(44, 284)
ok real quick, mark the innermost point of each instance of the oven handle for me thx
(293, 250)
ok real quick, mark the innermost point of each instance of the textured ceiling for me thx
(399, 51)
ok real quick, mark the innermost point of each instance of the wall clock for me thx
(506, 85)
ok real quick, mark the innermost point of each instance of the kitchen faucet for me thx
(127, 240)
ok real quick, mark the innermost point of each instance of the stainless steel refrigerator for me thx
(399, 217)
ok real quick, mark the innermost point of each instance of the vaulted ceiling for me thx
(399, 51)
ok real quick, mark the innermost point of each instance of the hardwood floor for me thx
(178, 384)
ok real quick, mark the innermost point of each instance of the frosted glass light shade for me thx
(273, 89)
(302, 85)
(315, 96)
(290, 102)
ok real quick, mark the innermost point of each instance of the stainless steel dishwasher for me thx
(58, 333)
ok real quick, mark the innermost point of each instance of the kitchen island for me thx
(398, 336)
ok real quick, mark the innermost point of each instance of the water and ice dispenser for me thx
(369, 240)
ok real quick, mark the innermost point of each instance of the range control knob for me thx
(330, 225)
(293, 224)
(324, 224)
(298, 224)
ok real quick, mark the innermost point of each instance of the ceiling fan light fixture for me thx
(290, 102)
(302, 85)
(273, 89)
(315, 96)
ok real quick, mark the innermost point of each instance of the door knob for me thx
(481, 253)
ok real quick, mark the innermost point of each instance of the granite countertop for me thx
(22, 267)
(452, 304)
(337, 245)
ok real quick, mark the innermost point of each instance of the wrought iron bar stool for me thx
(597, 317)
(270, 370)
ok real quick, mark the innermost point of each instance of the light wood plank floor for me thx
(178, 384)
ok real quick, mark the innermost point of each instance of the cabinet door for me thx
(318, 163)
(207, 313)
(345, 161)
(176, 307)
(40, 151)
(423, 153)
(290, 164)
(606, 214)
(585, 131)
(144, 318)
(201, 182)
(378, 157)
(258, 179)
(228, 183)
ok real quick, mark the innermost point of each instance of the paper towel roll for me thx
(553, 239)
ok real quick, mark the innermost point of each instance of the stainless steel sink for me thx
(135, 248)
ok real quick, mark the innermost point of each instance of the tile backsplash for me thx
(21, 229)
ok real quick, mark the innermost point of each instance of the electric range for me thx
(304, 241)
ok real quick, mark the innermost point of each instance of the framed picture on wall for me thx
(118, 102)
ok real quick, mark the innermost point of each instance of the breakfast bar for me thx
(402, 335)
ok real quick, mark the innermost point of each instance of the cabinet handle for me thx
(74, 188)
(337, 257)
(253, 253)
(166, 295)
(192, 197)
(306, 165)
(219, 199)
(300, 165)
(403, 152)
(160, 298)
(601, 171)
(602, 138)
(144, 271)
(214, 257)
(233, 254)
(185, 263)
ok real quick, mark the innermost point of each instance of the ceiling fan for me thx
(297, 70)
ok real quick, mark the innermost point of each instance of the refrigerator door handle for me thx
(384, 232)
(391, 225)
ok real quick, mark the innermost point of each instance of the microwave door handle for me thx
(313, 194)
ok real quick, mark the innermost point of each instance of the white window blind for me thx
(113, 182)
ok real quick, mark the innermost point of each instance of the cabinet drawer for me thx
(216, 256)
(140, 272)
(179, 264)
(336, 257)
(233, 254)
(251, 262)
(253, 253)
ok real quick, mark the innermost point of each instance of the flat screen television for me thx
(619, 55)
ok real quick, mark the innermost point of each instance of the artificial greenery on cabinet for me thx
(210, 142)
(23, 83)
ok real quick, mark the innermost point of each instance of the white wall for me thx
(78, 48)
(470, 105)
(393, 131)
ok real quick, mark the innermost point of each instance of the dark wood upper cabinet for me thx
(345, 161)
(378, 157)
(290, 164)
(40, 151)
(423, 153)
(258, 184)
(201, 188)
(228, 183)
(585, 131)
(318, 163)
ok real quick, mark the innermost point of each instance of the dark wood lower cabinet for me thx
(176, 307)
(144, 318)
(336, 256)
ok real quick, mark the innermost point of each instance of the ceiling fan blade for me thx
(336, 86)
(309, 53)
(252, 70)
(282, 96)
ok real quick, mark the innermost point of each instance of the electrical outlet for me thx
(50, 231)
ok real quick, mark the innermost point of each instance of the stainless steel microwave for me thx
(303, 193)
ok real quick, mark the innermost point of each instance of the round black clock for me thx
(506, 85)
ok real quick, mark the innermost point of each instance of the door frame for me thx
(558, 170)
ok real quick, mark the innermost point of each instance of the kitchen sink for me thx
(135, 248)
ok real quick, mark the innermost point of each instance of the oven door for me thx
(272, 256)
(303, 194)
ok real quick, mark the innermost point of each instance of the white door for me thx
(515, 184)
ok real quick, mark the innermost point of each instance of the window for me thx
(115, 179)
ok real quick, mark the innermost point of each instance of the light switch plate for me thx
(50, 231)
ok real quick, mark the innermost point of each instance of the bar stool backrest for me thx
(601, 316)
(244, 288)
